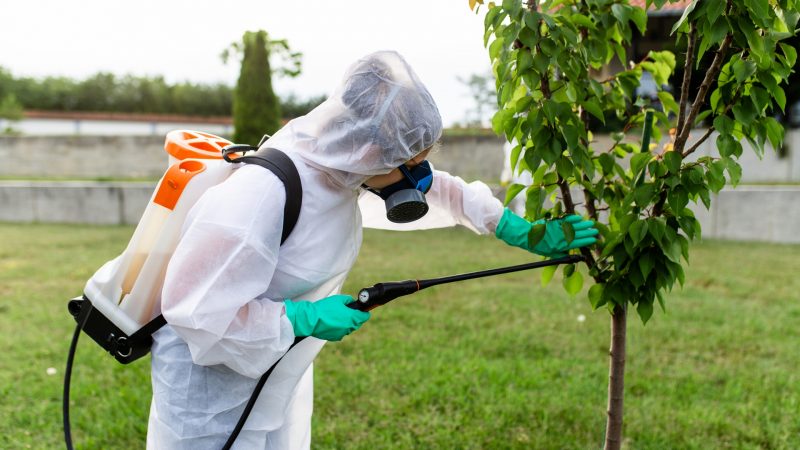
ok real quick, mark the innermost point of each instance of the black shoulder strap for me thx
(283, 167)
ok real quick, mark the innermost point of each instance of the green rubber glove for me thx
(513, 230)
(329, 319)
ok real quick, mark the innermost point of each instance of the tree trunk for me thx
(616, 378)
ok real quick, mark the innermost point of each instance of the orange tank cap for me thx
(175, 180)
(185, 144)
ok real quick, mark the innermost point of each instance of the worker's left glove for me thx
(513, 230)
(329, 319)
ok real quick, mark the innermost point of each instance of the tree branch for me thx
(711, 75)
(697, 144)
(735, 99)
(687, 76)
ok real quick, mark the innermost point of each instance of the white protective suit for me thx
(229, 275)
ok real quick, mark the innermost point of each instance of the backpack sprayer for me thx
(120, 306)
(379, 294)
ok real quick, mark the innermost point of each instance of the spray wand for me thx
(382, 293)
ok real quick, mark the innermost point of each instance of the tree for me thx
(11, 111)
(481, 90)
(256, 109)
(544, 54)
(292, 107)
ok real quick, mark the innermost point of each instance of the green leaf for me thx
(728, 146)
(713, 9)
(668, 101)
(705, 197)
(569, 231)
(780, 97)
(678, 199)
(534, 198)
(593, 107)
(499, 120)
(657, 227)
(513, 7)
(774, 132)
(639, 17)
(743, 69)
(583, 21)
(712, 37)
(569, 269)
(495, 47)
(646, 264)
(606, 163)
(512, 192)
(673, 161)
(530, 38)
(515, 157)
(790, 53)
(759, 9)
(573, 283)
(685, 16)
(745, 111)
(672, 250)
(621, 12)
(638, 231)
(536, 234)
(645, 310)
(638, 162)
(661, 301)
(643, 194)
(596, 295)
(760, 98)
(524, 61)
(564, 166)
(547, 274)
(723, 124)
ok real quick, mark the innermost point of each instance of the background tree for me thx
(256, 109)
(544, 54)
(481, 90)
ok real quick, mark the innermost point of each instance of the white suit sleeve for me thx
(220, 269)
(452, 201)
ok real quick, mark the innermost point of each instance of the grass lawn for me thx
(485, 364)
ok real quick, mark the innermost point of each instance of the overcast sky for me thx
(182, 40)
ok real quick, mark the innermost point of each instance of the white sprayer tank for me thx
(127, 289)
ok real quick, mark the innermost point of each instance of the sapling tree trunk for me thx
(616, 378)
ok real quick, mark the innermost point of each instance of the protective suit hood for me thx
(379, 117)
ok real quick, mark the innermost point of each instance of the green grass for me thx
(486, 364)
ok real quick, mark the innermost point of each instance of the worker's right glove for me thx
(329, 319)
(513, 230)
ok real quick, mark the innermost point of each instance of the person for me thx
(234, 298)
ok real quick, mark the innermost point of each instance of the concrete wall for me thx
(768, 213)
(74, 202)
(83, 156)
(88, 127)
(471, 157)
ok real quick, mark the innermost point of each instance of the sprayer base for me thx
(106, 334)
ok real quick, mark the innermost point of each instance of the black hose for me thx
(67, 376)
(254, 398)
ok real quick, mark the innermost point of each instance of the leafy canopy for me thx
(546, 57)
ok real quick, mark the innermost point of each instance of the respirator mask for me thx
(405, 199)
